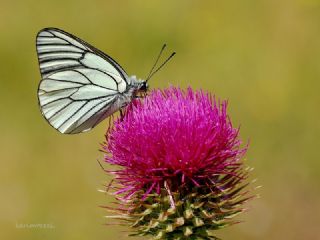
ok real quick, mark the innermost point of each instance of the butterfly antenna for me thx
(150, 75)
(154, 65)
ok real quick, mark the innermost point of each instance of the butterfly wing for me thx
(80, 85)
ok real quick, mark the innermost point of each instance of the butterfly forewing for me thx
(80, 84)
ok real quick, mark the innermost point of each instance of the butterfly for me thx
(81, 85)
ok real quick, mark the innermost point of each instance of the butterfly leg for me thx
(121, 114)
(140, 96)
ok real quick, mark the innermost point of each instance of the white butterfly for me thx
(80, 84)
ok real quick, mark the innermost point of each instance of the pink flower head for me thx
(175, 136)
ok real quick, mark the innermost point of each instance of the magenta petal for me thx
(182, 136)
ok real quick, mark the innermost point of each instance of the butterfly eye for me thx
(144, 86)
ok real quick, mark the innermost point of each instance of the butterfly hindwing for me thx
(80, 84)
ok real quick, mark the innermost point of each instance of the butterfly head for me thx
(139, 85)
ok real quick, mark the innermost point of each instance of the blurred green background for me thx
(263, 56)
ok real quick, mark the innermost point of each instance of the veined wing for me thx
(80, 85)
(57, 45)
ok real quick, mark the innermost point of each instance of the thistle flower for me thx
(181, 175)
